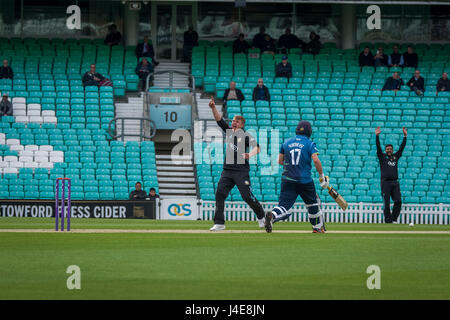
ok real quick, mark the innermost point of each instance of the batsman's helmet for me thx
(304, 128)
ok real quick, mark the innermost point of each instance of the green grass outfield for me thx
(175, 265)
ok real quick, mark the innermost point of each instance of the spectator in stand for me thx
(6, 71)
(145, 49)
(314, 45)
(410, 57)
(92, 77)
(138, 194)
(232, 94)
(258, 39)
(268, 45)
(240, 45)
(190, 41)
(114, 37)
(443, 83)
(380, 59)
(417, 83)
(143, 69)
(288, 41)
(284, 68)
(261, 92)
(366, 58)
(393, 83)
(6, 107)
(152, 195)
(395, 59)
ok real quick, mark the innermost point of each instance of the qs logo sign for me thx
(180, 209)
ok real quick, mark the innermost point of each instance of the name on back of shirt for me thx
(295, 144)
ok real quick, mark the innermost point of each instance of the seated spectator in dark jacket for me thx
(143, 69)
(240, 45)
(258, 39)
(410, 57)
(314, 45)
(268, 45)
(395, 59)
(380, 59)
(288, 41)
(6, 71)
(443, 83)
(284, 68)
(152, 195)
(261, 92)
(138, 194)
(417, 83)
(366, 58)
(145, 49)
(92, 77)
(232, 94)
(393, 83)
(114, 37)
(6, 107)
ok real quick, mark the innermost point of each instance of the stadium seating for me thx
(40, 66)
(59, 128)
(344, 104)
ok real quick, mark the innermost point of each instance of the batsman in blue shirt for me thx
(295, 155)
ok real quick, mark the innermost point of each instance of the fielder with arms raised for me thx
(236, 168)
(389, 177)
(295, 155)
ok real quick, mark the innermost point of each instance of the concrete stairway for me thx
(176, 177)
(178, 81)
(132, 107)
(175, 174)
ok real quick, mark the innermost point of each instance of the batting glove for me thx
(324, 181)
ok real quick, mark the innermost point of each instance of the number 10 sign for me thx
(171, 116)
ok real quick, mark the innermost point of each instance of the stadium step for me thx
(134, 107)
(175, 173)
(171, 192)
(175, 162)
(170, 157)
(176, 179)
(175, 168)
(178, 80)
(177, 185)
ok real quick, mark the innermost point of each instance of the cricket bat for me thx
(338, 198)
